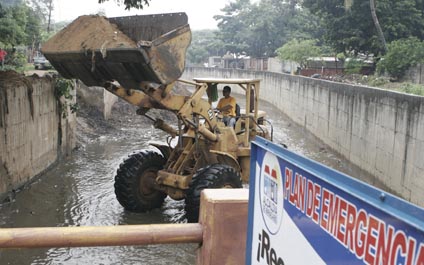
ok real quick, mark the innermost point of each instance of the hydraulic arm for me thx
(153, 96)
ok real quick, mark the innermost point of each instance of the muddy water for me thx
(79, 192)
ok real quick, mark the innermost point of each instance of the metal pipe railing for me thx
(44, 237)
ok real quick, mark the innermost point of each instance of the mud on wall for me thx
(33, 134)
(380, 131)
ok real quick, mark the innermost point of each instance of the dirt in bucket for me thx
(90, 32)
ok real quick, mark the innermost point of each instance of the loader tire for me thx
(135, 179)
(214, 176)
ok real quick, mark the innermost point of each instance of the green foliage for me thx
(353, 66)
(19, 24)
(12, 25)
(33, 29)
(204, 44)
(16, 60)
(415, 89)
(43, 12)
(377, 81)
(63, 88)
(349, 26)
(233, 25)
(401, 55)
(299, 51)
(138, 4)
(9, 3)
(385, 83)
(259, 29)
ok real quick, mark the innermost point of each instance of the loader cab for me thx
(250, 119)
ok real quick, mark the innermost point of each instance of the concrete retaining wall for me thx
(32, 133)
(380, 131)
(98, 97)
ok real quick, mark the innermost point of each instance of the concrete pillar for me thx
(223, 214)
(98, 97)
(108, 100)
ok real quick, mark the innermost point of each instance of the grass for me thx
(415, 89)
(385, 83)
(22, 69)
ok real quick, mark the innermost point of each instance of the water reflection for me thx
(79, 192)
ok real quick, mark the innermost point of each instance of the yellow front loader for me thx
(143, 71)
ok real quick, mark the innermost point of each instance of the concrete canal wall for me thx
(97, 97)
(380, 131)
(33, 135)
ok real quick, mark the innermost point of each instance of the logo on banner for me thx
(271, 193)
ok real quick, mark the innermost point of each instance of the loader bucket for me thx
(150, 48)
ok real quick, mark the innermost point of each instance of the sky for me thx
(200, 12)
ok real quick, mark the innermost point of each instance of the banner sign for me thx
(302, 212)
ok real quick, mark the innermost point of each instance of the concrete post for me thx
(108, 100)
(223, 214)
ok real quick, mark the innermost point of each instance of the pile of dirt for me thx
(89, 32)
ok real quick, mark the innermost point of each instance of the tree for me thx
(259, 29)
(11, 3)
(204, 44)
(33, 29)
(19, 24)
(401, 55)
(44, 9)
(349, 25)
(49, 17)
(12, 25)
(299, 51)
(401, 19)
(138, 4)
(233, 25)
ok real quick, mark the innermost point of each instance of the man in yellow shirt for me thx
(227, 106)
